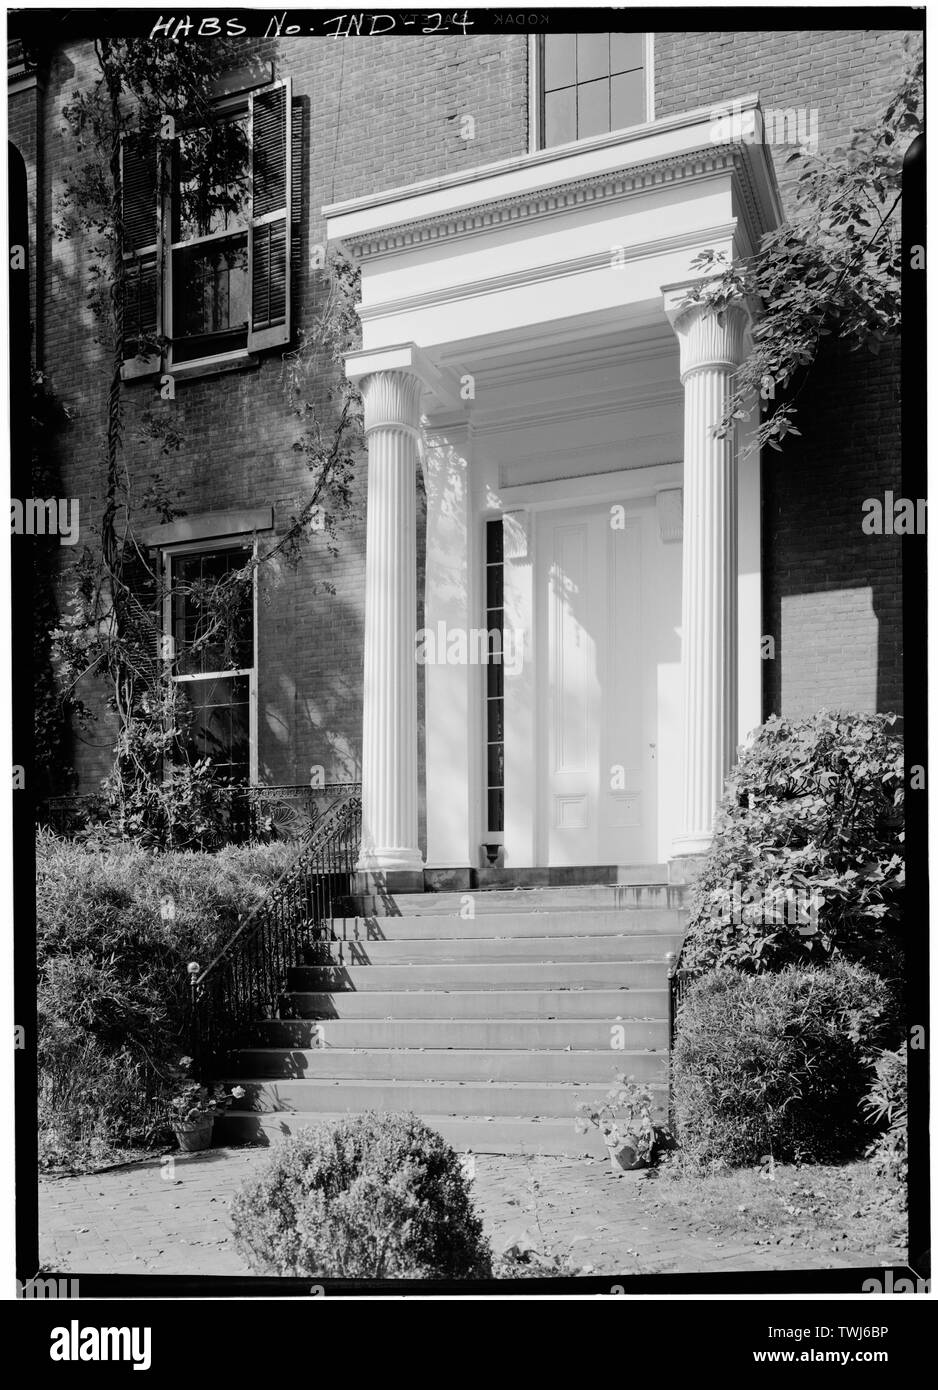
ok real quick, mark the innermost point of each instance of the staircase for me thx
(490, 1013)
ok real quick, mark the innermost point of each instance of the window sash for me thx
(537, 124)
(231, 108)
(191, 548)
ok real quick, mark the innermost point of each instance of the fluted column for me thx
(389, 744)
(711, 349)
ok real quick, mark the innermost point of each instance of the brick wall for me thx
(833, 595)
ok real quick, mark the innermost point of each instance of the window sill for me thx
(214, 366)
(142, 373)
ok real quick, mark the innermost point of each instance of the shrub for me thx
(778, 1063)
(372, 1196)
(807, 858)
(112, 985)
(886, 1105)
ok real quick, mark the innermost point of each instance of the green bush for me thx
(807, 856)
(112, 984)
(373, 1196)
(886, 1105)
(778, 1063)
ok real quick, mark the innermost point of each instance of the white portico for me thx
(526, 341)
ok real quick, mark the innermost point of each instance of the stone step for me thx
(581, 875)
(574, 899)
(545, 1005)
(466, 1133)
(480, 950)
(432, 1064)
(521, 1099)
(580, 1035)
(475, 975)
(442, 927)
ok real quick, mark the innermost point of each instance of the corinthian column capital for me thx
(708, 337)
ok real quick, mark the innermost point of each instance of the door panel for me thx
(597, 680)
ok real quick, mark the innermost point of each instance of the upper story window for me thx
(591, 84)
(208, 222)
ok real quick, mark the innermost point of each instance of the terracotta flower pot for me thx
(195, 1136)
(625, 1154)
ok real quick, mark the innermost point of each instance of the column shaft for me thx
(710, 351)
(389, 745)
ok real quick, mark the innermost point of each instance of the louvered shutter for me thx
(139, 215)
(271, 203)
(296, 203)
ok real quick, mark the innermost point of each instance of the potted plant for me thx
(624, 1120)
(191, 1110)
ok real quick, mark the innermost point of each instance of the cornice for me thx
(400, 234)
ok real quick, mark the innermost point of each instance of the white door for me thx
(597, 684)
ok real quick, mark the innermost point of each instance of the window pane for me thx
(628, 99)
(496, 765)
(496, 721)
(559, 60)
(212, 193)
(210, 288)
(560, 116)
(496, 809)
(495, 679)
(216, 715)
(592, 56)
(494, 542)
(593, 108)
(213, 627)
(628, 51)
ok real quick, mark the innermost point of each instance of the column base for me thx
(684, 869)
(376, 861)
(696, 843)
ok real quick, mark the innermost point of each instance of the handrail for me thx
(679, 980)
(244, 981)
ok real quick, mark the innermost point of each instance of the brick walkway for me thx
(170, 1216)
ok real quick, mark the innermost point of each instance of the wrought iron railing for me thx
(245, 981)
(279, 812)
(679, 981)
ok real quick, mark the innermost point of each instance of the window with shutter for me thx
(210, 271)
